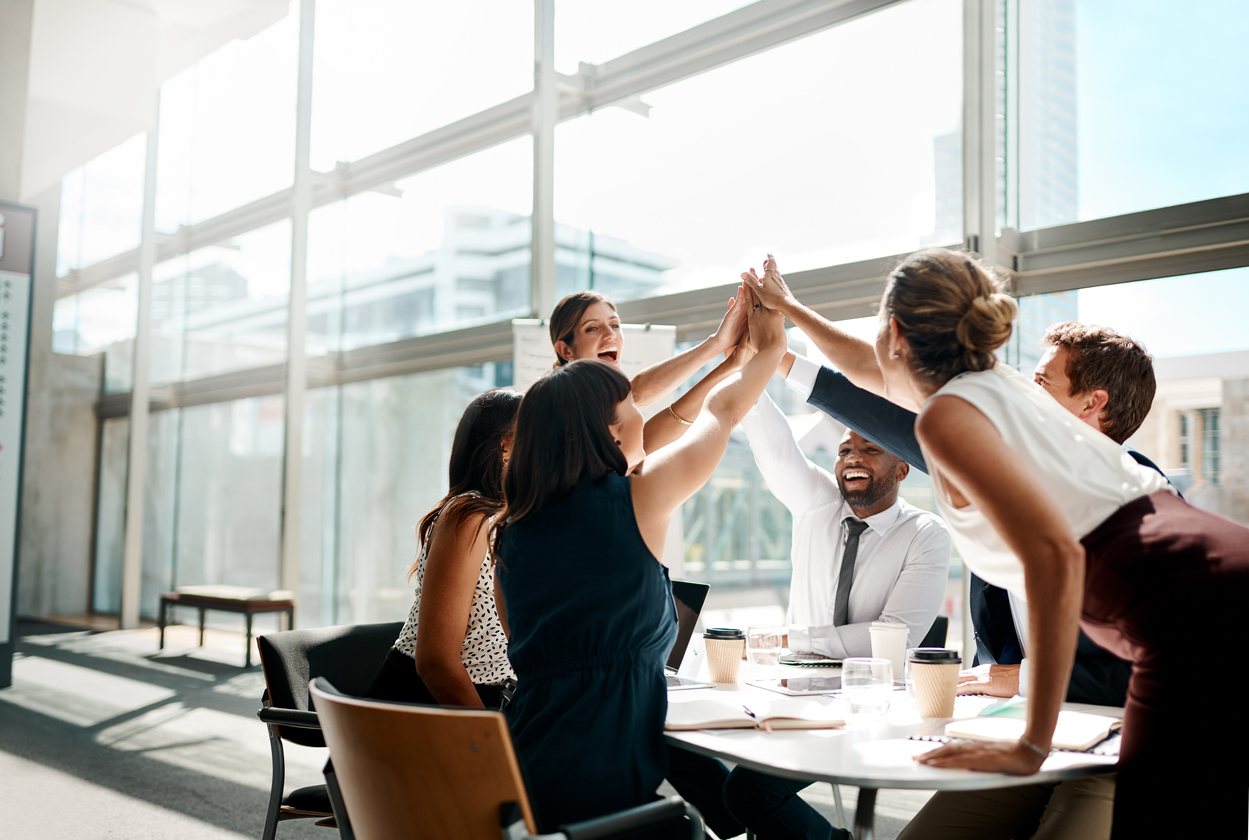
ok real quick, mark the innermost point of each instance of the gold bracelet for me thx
(679, 418)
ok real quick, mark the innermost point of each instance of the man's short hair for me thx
(1098, 357)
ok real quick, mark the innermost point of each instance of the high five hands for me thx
(770, 289)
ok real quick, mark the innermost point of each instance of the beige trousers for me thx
(1077, 809)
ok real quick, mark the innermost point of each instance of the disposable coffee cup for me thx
(889, 642)
(725, 649)
(933, 675)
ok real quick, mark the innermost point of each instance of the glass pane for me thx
(389, 70)
(593, 31)
(800, 151)
(449, 248)
(230, 494)
(395, 444)
(227, 127)
(102, 207)
(101, 320)
(223, 307)
(1125, 106)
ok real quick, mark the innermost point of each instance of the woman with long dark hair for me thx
(452, 650)
(588, 604)
(1039, 504)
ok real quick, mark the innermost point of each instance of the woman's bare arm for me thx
(657, 381)
(853, 356)
(674, 473)
(966, 450)
(663, 428)
(452, 567)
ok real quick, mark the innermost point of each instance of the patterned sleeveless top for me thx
(484, 652)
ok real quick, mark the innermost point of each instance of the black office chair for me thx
(937, 633)
(350, 655)
(412, 772)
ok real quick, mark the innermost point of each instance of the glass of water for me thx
(867, 687)
(763, 644)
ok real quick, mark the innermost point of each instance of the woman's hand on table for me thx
(993, 680)
(1015, 759)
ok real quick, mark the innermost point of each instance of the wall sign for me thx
(17, 249)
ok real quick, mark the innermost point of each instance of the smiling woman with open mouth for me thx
(585, 325)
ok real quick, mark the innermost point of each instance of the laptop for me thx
(689, 598)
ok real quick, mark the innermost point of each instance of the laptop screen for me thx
(689, 598)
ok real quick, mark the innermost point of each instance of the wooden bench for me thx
(235, 599)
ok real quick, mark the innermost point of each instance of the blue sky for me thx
(1163, 118)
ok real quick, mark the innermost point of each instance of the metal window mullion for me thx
(296, 382)
(140, 402)
(545, 115)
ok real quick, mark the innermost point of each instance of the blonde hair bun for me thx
(986, 325)
(952, 311)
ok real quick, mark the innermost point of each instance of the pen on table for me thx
(767, 726)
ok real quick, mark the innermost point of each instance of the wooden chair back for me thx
(409, 771)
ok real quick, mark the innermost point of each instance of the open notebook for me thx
(736, 712)
(1075, 731)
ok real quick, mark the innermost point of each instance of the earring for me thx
(617, 443)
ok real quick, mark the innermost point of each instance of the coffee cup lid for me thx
(723, 633)
(933, 656)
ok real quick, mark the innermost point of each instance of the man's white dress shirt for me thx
(903, 558)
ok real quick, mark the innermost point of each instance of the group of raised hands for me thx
(754, 319)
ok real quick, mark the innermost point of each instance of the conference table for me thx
(871, 758)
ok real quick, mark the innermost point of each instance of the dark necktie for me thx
(841, 606)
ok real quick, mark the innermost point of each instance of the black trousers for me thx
(397, 680)
(700, 781)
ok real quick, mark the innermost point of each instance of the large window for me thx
(389, 70)
(223, 307)
(841, 146)
(1128, 105)
(227, 127)
(101, 207)
(444, 248)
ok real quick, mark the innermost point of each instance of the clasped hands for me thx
(750, 324)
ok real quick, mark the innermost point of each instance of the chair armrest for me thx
(289, 717)
(653, 813)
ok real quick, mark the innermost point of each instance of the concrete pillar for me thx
(16, 19)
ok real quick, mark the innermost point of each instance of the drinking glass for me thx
(763, 644)
(867, 687)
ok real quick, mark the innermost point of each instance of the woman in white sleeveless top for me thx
(1045, 506)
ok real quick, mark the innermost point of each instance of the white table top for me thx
(882, 757)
